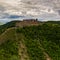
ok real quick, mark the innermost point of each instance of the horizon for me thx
(5, 22)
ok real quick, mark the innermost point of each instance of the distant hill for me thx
(32, 42)
(1, 23)
(54, 22)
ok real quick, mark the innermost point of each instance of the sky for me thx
(44, 10)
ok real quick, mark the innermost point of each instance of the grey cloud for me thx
(44, 9)
(2, 8)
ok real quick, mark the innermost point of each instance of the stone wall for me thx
(28, 22)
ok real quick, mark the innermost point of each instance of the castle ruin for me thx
(27, 22)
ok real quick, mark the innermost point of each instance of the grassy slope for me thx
(6, 26)
(31, 43)
(48, 36)
(8, 49)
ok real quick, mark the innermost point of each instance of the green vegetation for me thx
(54, 22)
(1, 23)
(48, 36)
(9, 46)
(39, 41)
(6, 26)
(9, 50)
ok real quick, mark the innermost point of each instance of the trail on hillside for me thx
(22, 48)
(23, 52)
(46, 56)
(6, 31)
(4, 34)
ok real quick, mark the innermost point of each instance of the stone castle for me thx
(27, 22)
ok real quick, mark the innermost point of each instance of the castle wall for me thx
(27, 23)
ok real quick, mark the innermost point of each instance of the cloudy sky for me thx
(19, 9)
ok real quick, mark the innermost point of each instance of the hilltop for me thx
(17, 23)
(32, 40)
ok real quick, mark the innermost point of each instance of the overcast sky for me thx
(18, 9)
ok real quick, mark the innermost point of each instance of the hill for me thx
(35, 42)
(7, 25)
(54, 22)
(1, 23)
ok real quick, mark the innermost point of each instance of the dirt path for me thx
(3, 35)
(6, 31)
(23, 52)
(22, 48)
(46, 56)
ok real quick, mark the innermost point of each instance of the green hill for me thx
(40, 42)
(7, 25)
(1, 23)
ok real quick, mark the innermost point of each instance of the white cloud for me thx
(44, 9)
